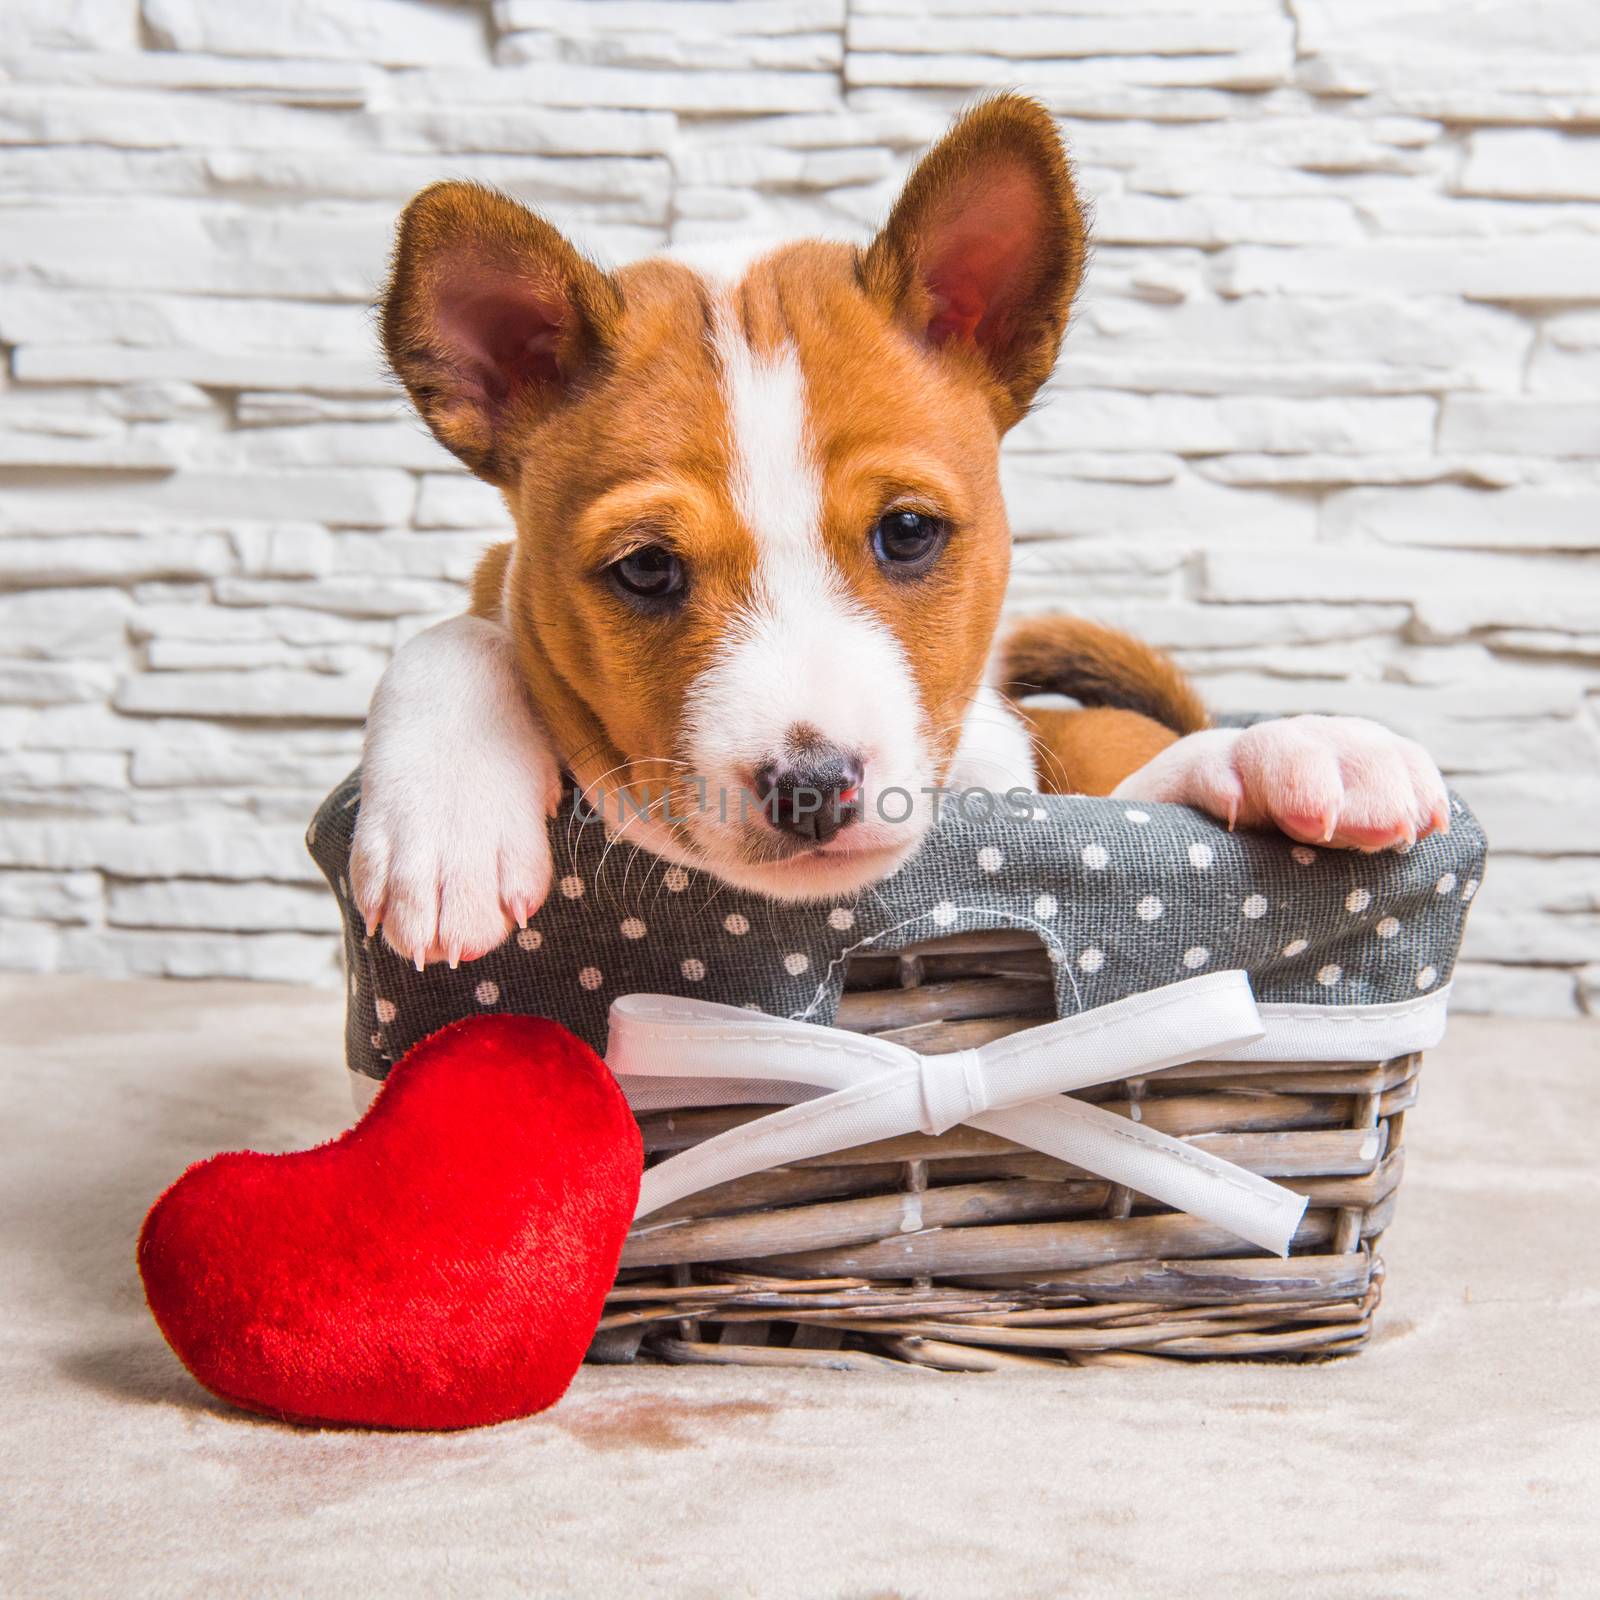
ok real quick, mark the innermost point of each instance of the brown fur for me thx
(1091, 752)
(593, 401)
(641, 457)
(893, 425)
(460, 247)
(489, 582)
(1003, 166)
(1136, 701)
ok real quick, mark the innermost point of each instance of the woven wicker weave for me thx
(966, 1252)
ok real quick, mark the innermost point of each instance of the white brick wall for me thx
(1328, 423)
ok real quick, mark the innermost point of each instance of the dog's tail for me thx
(1097, 666)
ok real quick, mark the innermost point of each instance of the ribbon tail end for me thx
(1276, 1232)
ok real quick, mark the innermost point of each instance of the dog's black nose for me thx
(813, 798)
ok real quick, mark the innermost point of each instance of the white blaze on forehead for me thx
(777, 488)
(800, 649)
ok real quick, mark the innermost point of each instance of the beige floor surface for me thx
(1459, 1455)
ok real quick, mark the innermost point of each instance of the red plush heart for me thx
(441, 1265)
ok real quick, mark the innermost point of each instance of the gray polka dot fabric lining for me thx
(1124, 897)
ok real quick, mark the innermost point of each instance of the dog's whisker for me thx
(613, 839)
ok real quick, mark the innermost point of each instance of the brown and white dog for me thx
(761, 551)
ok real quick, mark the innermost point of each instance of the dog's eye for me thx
(651, 573)
(908, 541)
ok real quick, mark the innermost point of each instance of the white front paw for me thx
(1340, 781)
(448, 871)
(458, 784)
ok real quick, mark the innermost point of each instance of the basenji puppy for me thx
(761, 553)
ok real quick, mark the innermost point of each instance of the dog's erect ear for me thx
(490, 320)
(984, 248)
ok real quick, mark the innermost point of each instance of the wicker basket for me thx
(966, 1252)
(962, 1250)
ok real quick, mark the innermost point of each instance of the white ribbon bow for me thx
(671, 1052)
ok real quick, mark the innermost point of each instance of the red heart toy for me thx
(441, 1265)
